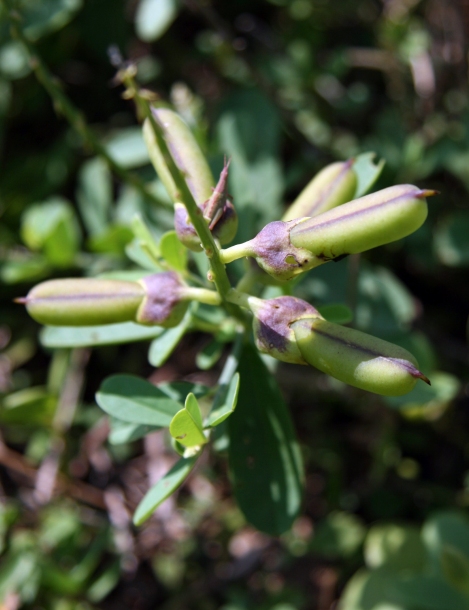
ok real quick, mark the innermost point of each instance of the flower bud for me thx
(334, 185)
(185, 152)
(218, 211)
(271, 325)
(164, 303)
(365, 223)
(156, 299)
(356, 358)
(84, 302)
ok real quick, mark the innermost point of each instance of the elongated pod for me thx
(332, 186)
(83, 302)
(356, 358)
(161, 299)
(285, 249)
(185, 152)
(365, 223)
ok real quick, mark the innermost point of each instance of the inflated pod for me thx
(286, 249)
(368, 222)
(186, 153)
(356, 358)
(157, 299)
(332, 186)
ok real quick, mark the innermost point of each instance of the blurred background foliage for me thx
(283, 87)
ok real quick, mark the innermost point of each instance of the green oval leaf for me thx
(264, 456)
(135, 400)
(186, 425)
(224, 403)
(164, 488)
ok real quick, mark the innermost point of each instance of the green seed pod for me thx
(286, 249)
(164, 301)
(161, 299)
(334, 185)
(271, 326)
(365, 223)
(218, 211)
(84, 302)
(185, 152)
(356, 358)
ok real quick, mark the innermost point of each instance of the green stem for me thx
(202, 295)
(64, 106)
(243, 299)
(217, 272)
(228, 255)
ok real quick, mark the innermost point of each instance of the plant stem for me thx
(202, 295)
(228, 255)
(217, 272)
(66, 108)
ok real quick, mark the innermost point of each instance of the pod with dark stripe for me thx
(356, 358)
(332, 186)
(84, 302)
(161, 299)
(365, 223)
(185, 152)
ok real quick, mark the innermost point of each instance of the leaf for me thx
(137, 401)
(113, 240)
(455, 568)
(154, 17)
(45, 16)
(367, 172)
(51, 226)
(443, 529)
(370, 591)
(123, 432)
(337, 313)
(428, 592)
(94, 195)
(31, 406)
(186, 425)
(224, 403)
(451, 243)
(14, 60)
(209, 355)
(164, 488)
(29, 270)
(83, 336)
(264, 456)
(340, 534)
(162, 347)
(126, 147)
(174, 253)
(249, 131)
(395, 547)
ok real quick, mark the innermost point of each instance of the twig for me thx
(64, 106)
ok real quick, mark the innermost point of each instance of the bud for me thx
(164, 301)
(218, 211)
(334, 185)
(365, 223)
(271, 325)
(157, 299)
(356, 358)
(185, 152)
(84, 302)
(286, 249)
